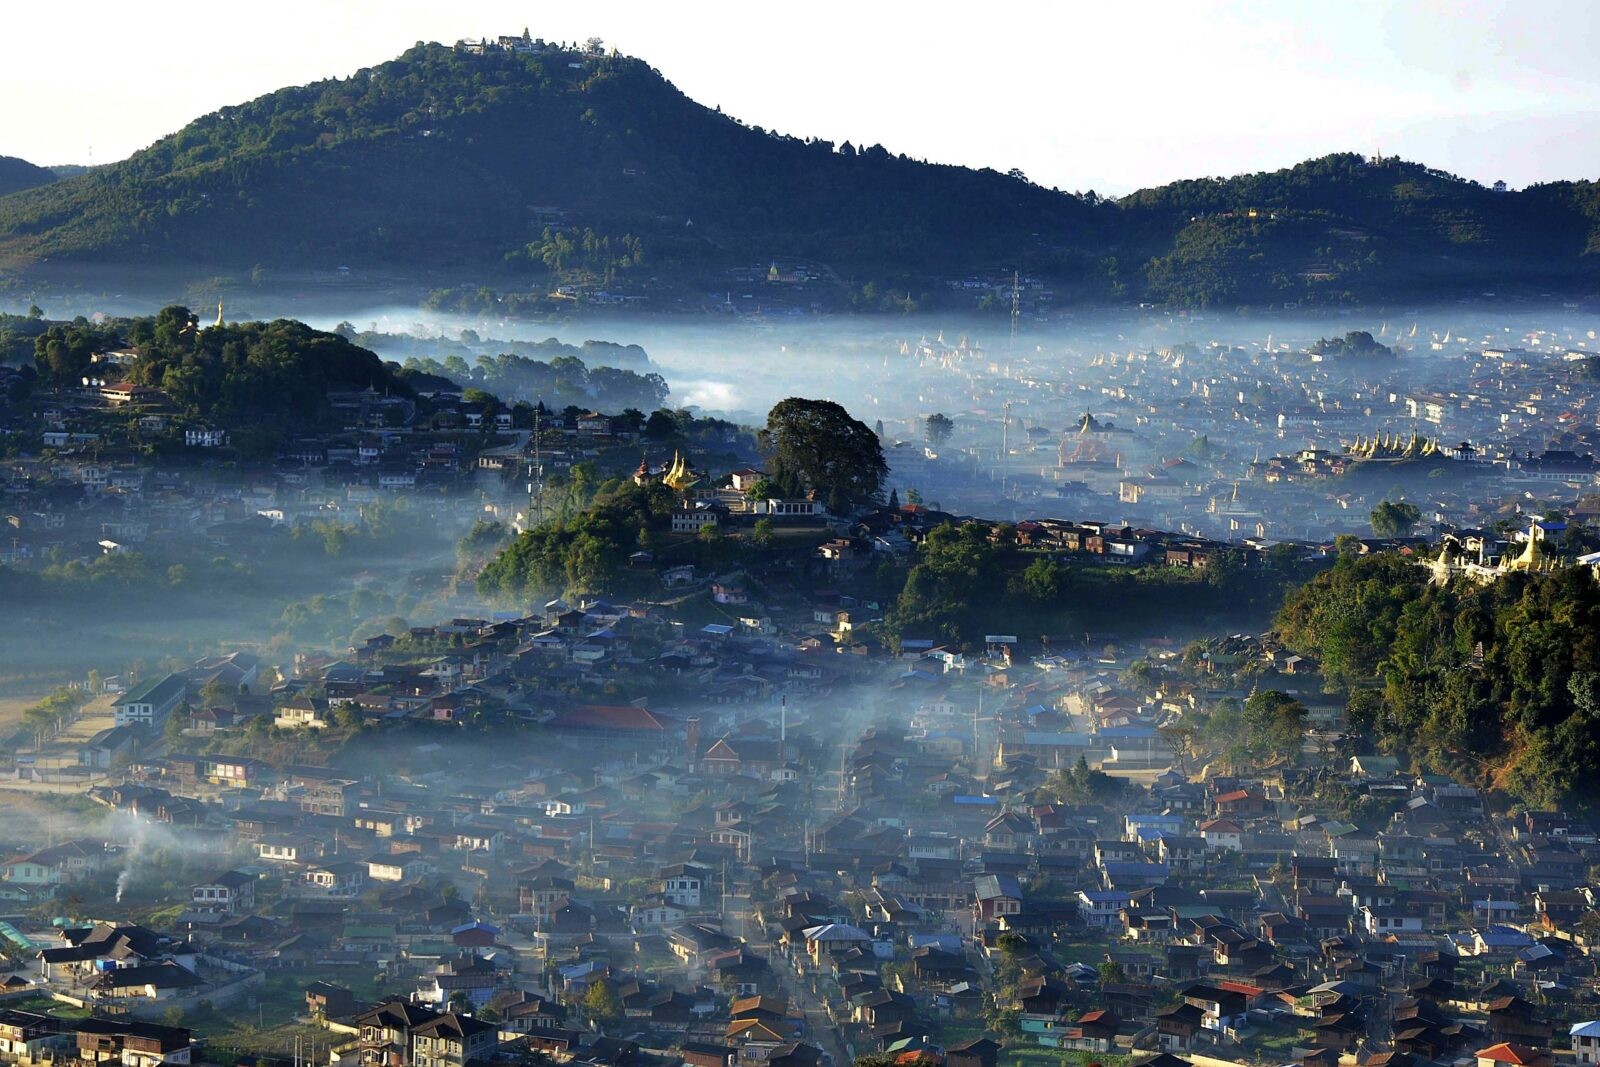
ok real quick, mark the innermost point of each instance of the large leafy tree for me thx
(1395, 519)
(602, 1004)
(817, 444)
(1275, 722)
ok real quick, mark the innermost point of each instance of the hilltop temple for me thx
(1382, 446)
(679, 475)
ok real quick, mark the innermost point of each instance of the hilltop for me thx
(535, 168)
(455, 160)
(1346, 227)
(18, 174)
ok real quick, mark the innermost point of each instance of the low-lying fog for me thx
(737, 368)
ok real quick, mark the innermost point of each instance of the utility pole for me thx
(843, 749)
(976, 713)
(1016, 306)
(1005, 440)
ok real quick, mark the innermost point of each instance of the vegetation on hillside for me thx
(584, 553)
(1523, 713)
(533, 171)
(460, 145)
(973, 579)
(272, 375)
(1344, 227)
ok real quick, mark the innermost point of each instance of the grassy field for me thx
(1275, 1043)
(11, 710)
(48, 1005)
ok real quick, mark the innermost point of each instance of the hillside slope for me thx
(459, 159)
(1346, 227)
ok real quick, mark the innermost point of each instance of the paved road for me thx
(820, 1031)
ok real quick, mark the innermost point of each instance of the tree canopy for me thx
(1395, 519)
(1498, 681)
(1357, 344)
(817, 445)
(273, 376)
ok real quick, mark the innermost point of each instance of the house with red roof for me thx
(1243, 804)
(1511, 1054)
(615, 722)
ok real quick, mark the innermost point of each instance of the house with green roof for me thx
(149, 703)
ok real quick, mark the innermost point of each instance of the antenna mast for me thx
(536, 474)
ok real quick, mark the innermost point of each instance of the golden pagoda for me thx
(1533, 557)
(679, 476)
(1384, 446)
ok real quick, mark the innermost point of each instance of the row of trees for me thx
(49, 716)
(563, 381)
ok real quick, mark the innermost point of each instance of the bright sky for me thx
(1104, 96)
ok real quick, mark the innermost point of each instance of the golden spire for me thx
(219, 313)
(1530, 560)
(679, 476)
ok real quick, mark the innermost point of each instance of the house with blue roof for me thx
(1586, 1041)
(1132, 824)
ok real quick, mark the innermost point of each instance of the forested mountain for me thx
(447, 158)
(527, 169)
(18, 174)
(1345, 227)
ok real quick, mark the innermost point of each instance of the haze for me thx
(1111, 98)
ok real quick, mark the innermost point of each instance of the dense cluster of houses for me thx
(793, 867)
(600, 832)
(89, 488)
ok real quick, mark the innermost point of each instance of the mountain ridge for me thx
(566, 166)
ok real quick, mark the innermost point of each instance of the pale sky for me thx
(1105, 96)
